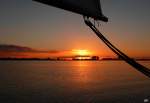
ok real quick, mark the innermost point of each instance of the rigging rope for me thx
(120, 54)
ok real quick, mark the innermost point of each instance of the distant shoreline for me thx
(49, 59)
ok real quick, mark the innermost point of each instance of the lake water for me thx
(72, 82)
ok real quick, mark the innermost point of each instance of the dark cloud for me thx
(17, 48)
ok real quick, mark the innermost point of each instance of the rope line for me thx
(120, 54)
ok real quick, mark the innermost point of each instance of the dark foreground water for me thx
(72, 82)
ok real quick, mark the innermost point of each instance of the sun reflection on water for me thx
(83, 73)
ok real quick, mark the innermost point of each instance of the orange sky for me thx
(21, 52)
(38, 26)
(75, 52)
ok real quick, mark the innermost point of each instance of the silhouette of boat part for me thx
(92, 9)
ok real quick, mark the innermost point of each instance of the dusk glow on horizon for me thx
(81, 52)
(46, 28)
(74, 51)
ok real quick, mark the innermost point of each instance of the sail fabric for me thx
(89, 8)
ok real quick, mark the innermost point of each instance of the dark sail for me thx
(89, 8)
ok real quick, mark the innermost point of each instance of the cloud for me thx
(15, 48)
(27, 52)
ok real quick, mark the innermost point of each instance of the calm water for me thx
(72, 82)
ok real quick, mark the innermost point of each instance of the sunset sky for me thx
(34, 25)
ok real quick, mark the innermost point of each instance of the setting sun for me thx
(81, 52)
